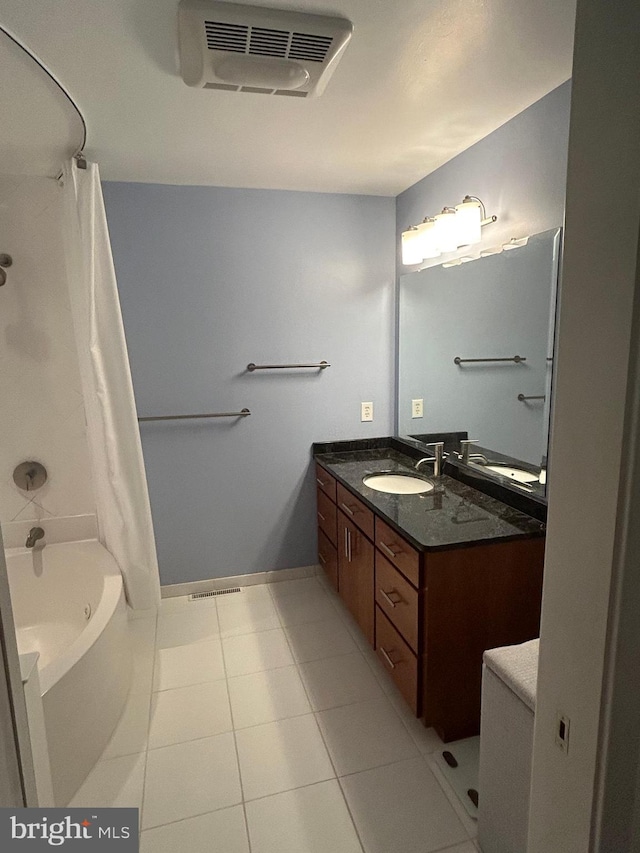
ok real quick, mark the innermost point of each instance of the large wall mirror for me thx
(476, 346)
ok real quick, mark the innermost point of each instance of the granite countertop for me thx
(453, 515)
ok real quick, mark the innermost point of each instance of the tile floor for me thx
(260, 722)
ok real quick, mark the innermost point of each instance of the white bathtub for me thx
(68, 603)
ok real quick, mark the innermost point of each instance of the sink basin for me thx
(511, 473)
(398, 484)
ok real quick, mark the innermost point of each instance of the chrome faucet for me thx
(464, 448)
(437, 459)
(35, 534)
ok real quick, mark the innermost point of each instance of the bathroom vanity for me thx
(433, 579)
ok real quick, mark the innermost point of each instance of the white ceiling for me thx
(420, 81)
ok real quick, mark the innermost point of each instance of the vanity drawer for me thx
(398, 551)
(398, 659)
(397, 599)
(327, 518)
(354, 509)
(328, 557)
(326, 482)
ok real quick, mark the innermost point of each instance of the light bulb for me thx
(411, 252)
(468, 222)
(427, 239)
(446, 234)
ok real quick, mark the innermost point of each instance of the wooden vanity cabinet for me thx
(430, 615)
(356, 574)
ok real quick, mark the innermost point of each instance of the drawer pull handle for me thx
(393, 554)
(322, 558)
(387, 597)
(321, 517)
(321, 483)
(349, 538)
(387, 657)
(348, 509)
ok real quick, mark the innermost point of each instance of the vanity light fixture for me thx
(411, 253)
(454, 262)
(452, 229)
(494, 250)
(446, 232)
(428, 239)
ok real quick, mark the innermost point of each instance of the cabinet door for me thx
(355, 574)
(328, 556)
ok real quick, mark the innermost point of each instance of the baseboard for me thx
(190, 588)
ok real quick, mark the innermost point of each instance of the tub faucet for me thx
(34, 534)
(437, 460)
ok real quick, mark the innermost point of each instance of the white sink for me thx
(398, 484)
(517, 474)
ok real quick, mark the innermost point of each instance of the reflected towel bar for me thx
(523, 399)
(251, 367)
(457, 360)
(243, 413)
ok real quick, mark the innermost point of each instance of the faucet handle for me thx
(464, 444)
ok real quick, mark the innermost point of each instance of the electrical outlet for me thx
(562, 732)
(417, 407)
(366, 411)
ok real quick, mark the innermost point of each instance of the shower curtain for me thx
(122, 501)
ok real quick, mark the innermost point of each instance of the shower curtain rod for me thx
(58, 84)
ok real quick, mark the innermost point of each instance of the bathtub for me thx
(69, 606)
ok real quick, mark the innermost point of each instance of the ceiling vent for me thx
(238, 48)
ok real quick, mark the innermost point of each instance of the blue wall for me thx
(211, 279)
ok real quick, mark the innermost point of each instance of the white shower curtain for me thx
(120, 486)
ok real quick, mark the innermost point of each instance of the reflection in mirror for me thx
(476, 346)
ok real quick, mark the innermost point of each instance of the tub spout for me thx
(35, 534)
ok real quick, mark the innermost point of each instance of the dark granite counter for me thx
(453, 515)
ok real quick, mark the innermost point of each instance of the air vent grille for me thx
(309, 47)
(263, 41)
(231, 37)
(198, 595)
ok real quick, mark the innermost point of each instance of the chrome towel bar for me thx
(523, 398)
(243, 413)
(516, 358)
(251, 367)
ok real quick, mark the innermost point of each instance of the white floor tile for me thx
(223, 831)
(298, 587)
(187, 713)
(308, 820)
(469, 823)
(116, 783)
(247, 614)
(189, 779)
(180, 666)
(318, 640)
(267, 696)
(281, 756)
(132, 731)
(336, 681)
(367, 734)
(296, 609)
(402, 807)
(250, 653)
(187, 626)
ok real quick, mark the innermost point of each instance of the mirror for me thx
(476, 346)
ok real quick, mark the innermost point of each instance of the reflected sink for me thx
(511, 473)
(398, 484)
